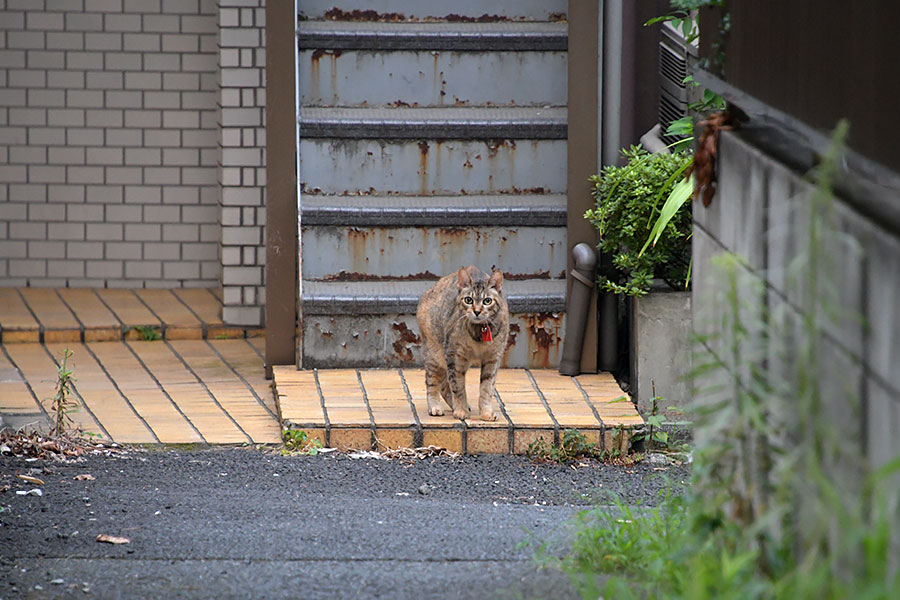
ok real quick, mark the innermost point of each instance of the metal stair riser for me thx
(354, 253)
(393, 341)
(435, 78)
(407, 167)
(540, 10)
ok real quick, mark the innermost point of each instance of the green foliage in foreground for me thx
(784, 504)
(678, 550)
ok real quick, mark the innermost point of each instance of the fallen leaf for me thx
(84, 477)
(4, 488)
(112, 539)
(31, 479)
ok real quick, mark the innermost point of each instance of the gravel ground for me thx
(240, 523)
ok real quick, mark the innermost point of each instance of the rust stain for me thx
(485, 18)
(423, 165)
(355, 276)
(558, 17)
(405, 338)
(543, 338)
(357, 242)
(524, 276)
(320, 52)
(336, 14)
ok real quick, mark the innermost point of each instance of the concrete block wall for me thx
(242, 172)
(761, 213)
(108, 143)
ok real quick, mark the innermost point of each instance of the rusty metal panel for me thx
(431, 78)
(538, 10)
(355, 253)
(385, 167)
(394, 341)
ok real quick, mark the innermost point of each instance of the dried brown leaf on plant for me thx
(704, 165)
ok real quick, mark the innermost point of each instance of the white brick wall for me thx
(242, 157)
(108, 144)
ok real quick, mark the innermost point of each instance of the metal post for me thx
(582, 145)
(281, 189)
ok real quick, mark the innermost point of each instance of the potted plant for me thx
(644, 220)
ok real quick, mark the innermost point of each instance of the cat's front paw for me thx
(489, 416)
(435, 411)
(461, 413)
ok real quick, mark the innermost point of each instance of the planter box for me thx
(661, 352)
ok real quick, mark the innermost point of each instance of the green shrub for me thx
(628, 203)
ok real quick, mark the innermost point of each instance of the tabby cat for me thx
(464, 320)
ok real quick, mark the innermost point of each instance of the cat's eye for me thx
(486, 301)
(468, 300)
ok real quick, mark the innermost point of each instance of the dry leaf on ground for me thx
(31, 479)
(112, 539)
(84, 477)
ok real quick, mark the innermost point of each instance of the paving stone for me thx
(16, 322)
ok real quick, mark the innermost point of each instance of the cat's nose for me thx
(476, 311)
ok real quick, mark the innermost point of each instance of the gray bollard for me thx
(577, 310)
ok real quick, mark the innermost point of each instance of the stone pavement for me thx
(203, 382)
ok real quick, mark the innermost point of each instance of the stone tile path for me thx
(204, 382)
(94, 315)
(387, 408)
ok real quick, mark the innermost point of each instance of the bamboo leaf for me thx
(677, 197)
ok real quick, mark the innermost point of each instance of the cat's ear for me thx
(496, 281)
(463, 278)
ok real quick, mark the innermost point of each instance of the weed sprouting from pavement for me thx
(61, 404)
(148, 333)
(299, 442)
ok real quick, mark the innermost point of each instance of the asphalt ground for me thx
(244, 523)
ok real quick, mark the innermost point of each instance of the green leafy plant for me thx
(297, 441)
(573, 445)
(61, 404)
(148, 333)
(628, 202)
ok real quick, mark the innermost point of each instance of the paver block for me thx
(391, 438)
(487, 440)
(523, 438)
(344, 438)
(449, 439)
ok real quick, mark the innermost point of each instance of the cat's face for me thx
(479, 301)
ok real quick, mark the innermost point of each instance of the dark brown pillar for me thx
(281, 186)
(582, 146)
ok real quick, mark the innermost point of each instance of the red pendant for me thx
(486, 334)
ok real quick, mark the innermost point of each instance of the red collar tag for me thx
(486, 334)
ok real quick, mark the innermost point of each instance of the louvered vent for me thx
(674, 95)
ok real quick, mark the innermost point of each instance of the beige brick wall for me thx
(114, 170)
(242, 173)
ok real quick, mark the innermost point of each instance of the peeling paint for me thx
(405, 338)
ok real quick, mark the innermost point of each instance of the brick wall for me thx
(111, 154)
(242, 173)
(108, 143)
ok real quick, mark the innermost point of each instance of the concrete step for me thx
(431, 78)
(342, 253)
(528, 210)
(373, 323)
(341, 166)
(399, 297)
(538, 10)
(472, 37)
(434, 123)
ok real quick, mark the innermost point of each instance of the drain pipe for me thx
(585, 258)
